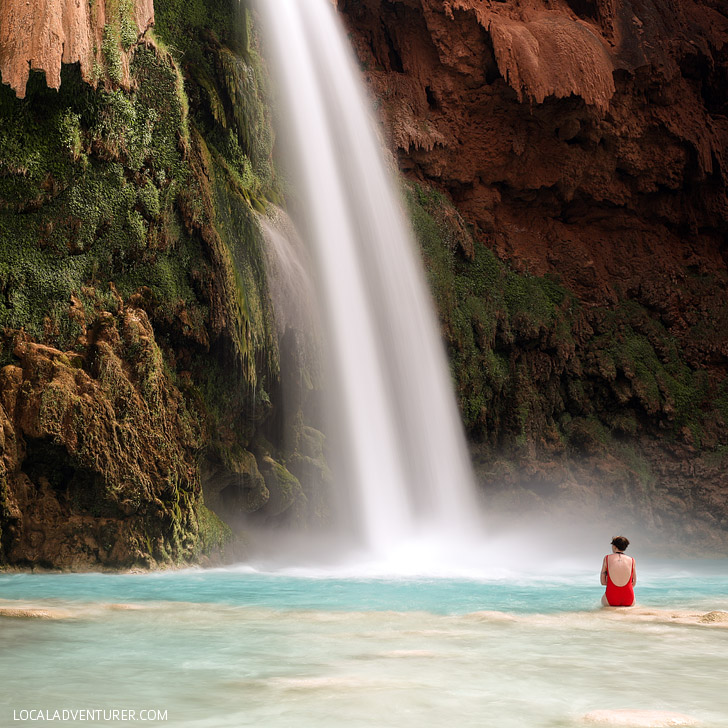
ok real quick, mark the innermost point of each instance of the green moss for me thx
(111, 49)
(286, 493)
(231, 107)
(524, 353)
(69, 131)
(127, 27)
(105, 169)
(149, 200)
(528, 299)
(485, 308)
(119, 36)
(213, 534)
(243, 247)
(588, 435)
(638, 347)
(39, 146)
(246, 85)
(623, 422)
(182, 26)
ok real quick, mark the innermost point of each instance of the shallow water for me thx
(239, 648)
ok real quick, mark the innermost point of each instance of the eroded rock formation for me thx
(44, 34)
(98, 452)
(586, 139)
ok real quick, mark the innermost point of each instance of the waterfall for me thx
(404, 466)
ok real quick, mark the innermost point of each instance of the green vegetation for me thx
(87, 178)
(215, 45)
(111, 50)
(489, 314)
(632, 345)
(120, 34)
(97, 177)
(213, 534)
(530, 364)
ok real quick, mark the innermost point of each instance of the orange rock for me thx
(40, 35)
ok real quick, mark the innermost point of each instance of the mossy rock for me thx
(284, 488)
(311, 442)
(214, 535)
(588, 435)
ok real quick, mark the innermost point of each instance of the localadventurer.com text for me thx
(123, 715)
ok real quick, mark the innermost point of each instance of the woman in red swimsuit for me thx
(618, 575)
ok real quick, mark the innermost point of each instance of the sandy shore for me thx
(713, 619)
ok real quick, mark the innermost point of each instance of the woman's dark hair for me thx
(620, 542)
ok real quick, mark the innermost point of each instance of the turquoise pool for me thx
(236, 647)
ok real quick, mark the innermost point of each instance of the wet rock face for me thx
(587, 140)
(139, 363)
(98, 452)
(43, 34)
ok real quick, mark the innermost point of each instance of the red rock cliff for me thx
(583, 137)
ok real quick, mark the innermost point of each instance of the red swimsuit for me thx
(620, 596)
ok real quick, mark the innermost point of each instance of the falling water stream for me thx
(402, 458)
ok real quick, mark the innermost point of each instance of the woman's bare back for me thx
(620, 568)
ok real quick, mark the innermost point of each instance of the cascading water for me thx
(405, 460)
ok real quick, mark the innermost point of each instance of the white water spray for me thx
(406, 466)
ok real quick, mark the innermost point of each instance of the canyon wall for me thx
(42, 36)
(568, 162)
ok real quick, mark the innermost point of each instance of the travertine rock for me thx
(42, 34)
(639, 718)
(95, 460)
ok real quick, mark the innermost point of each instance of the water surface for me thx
(240, 648)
